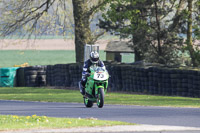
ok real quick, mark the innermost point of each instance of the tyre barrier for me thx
(145, 79)
(158, 80)
(75, 72)
(20, 77)
(35, 76)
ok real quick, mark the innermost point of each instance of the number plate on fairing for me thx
(100, 76)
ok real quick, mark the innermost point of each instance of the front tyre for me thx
(100, 99)
(88, 103)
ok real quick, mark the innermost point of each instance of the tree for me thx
(150, 25)
(83, 13)
(126, 19)
(50, 17)
(194, 51)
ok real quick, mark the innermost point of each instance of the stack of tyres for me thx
(41, 76)
(191, 84)
(59, 73)
(20, 77)
(159, 81)
(162, 74)
(119, 78)
(175, 77)
(197, 84)
(116, 77)
(165, 82)
(134, 79)
(151, 80)
(126, 77)
(155, 80)
(129, 78)
(183, 88)
(138, 79)
(31, 75)
(67, 76)
(35, 76)
(75, 72)
(144, 79)
(110, 82)
(49, 75)
(180, 83)
(56, 74)
(123, 73)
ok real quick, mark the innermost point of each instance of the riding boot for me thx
(82, 88)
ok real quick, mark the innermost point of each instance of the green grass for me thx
(9, 58)
(13, 122)
(58, 95)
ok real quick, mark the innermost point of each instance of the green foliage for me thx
(196, 20)
(147, 24)
(196, 54)
(190, 26)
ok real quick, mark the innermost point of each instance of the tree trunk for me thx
(82, 28)
(175, 25)
(189, 35)
(160, 54)
(138, 55)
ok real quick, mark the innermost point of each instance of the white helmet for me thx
(94, 57)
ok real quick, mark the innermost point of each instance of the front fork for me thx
(97, 90)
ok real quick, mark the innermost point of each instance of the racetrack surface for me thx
(189, 117)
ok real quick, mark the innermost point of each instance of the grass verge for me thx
(59, 95)
(13, 122)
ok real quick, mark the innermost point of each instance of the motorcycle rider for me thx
(94, 59)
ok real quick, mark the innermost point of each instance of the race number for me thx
(100, 75)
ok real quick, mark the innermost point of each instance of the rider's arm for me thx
(102, 65)
(85, 68)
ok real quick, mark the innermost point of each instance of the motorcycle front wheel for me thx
(88, 103)
(100, 99)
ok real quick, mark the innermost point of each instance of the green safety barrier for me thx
(8, 76)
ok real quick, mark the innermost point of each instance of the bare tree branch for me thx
(177, 15)
(96, 7)
(27, 17)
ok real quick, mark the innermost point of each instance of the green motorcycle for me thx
(96, 87)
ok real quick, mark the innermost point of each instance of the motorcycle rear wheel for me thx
(100, 99)
(88, 103)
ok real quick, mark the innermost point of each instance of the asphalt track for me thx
(189, 117)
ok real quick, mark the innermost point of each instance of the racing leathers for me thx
(86, 72)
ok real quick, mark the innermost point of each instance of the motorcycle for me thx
(96, 87)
